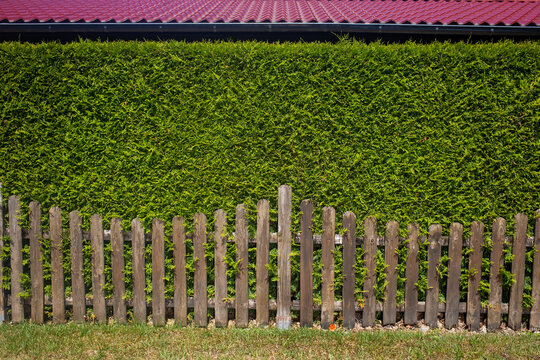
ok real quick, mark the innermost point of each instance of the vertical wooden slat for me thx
(283, 317)
(432, 291)
(36, 265)
(328, 245)
(2, 227)
(220, 265)
(241, 285)
(158, 272)
(199, 290)
(117, 268)
(306, 264)
(180, 281)
(495, 278)
(518, 270)
(455, 246)
(349, 260)
(535, 309)
(475, 275)
(370, 261)
(15, 233)
(411, 274)
(77, 278)
(139, 275)
(391, 261)
(263, 240)
(98, 266)
(57, 268)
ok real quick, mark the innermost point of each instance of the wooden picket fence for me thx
(350, 307)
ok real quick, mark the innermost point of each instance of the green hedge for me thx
(429, 133)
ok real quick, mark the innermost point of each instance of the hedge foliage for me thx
(429, 133)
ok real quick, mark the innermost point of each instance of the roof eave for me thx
(420, 29)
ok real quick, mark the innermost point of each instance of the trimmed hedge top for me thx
(429, 133)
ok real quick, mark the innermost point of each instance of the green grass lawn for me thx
(128, 342)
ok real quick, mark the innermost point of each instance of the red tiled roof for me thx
(477, 12)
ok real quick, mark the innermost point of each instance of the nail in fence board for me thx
(370, 261)
(200, 281)
(36, 265)
(241, 286)
(263, 240)
(411, 275)
(158, 272)
(98, 265)
(495, 278)
(283, 317)
(220, 281)
(139, 275)
(15, 233)
(349, 260)
(518, 270)
(391, 261)
(57, 268)
(535, 310)
(180, 282)
(455, 246)
(117, 267)
(475, 275)
(328, 245)
(306, 264)
(432, 291)
(77, 279)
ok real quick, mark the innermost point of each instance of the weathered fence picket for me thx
(77, 264)
(328, 246)
(369, 243)
(263, 242)
(455, 246)
(220, 269)
(306, 263)
(411, 276)
(36, 264)
(139, 274)
(98, 269)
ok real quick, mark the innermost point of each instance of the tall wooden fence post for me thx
(283, 316)
(36, 264)
(2, 227)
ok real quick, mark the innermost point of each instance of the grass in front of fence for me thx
(128, 342)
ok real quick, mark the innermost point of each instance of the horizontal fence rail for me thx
(353, 309)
